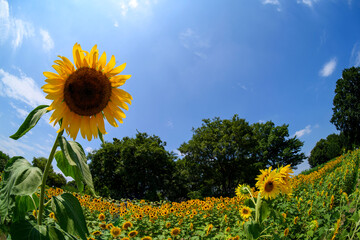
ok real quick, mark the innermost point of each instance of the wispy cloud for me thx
(328, 68)
(272, 2)
(21, 88)
(89, 149)
(13, 28)
(309, 3)
(355, 55)
(48, 42)
(193, 41)
(126, 5)
(302, 132)
(21, 113)
(13, 147)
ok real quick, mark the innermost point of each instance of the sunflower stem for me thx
(257, 208)
(44, 177)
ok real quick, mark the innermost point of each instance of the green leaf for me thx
(20, 179)
(73, 163)
(252, 229)
(101, 137)
(25, 230)
(264, 211)
(24, 204)
(30, 121)
(69, 214)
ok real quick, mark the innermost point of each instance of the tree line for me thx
(221, 154)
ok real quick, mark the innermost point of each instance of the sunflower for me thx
(115, 231)
(175, 231)
(245, 212)
(101, 217)
(96, 233)
(241, 190)
(146, 238)
(85, 92)
(52, 215)
(133, 233)
(286, 232)
(285, 173)
(270, 186)
(127, 225)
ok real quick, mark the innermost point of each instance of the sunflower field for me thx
(322, 204)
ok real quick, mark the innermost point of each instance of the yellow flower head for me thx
(270, 186)
(241, 191)
(286, 232)
(101, 217)
(146, 238)
(85, 92)
(175, 231)
(115, 231)
(245, 212)
(127, 225)
(133, 233)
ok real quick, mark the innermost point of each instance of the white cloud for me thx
(133, 3)
(170, 124)
(48, 42)
(13, 28)
(21, 88)
(194, 42)
(126, 5)
(13, 147)
(309, 3)
(328, 68)
(302, 132)
(116, 24)
(274, 2)
(355, 55)
(89, 149)
(21, 112)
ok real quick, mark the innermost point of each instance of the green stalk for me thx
(257, 208)
(44, 177)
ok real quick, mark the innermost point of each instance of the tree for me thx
(275, 148)
(219, 156)
(4, 158)
(327, 149)
(54, 179)
(137, 167)
(346, 110)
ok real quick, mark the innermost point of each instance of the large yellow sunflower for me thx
(270, 186)
(84, 93)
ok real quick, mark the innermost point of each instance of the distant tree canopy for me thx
(54, 179)
(137, 167)
(4, 158)
(346, 110)
(274, 147)
(327, 149)
(224, 153)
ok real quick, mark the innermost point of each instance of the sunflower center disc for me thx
(87, 91)
(269, 187)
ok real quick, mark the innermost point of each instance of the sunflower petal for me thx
(102, 61)
(118, 69)
(110, 65)
(109, 117)
(51, 75)
(100, 122)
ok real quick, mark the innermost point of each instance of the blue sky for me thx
(264, 60)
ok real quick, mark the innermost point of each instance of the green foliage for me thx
(346, 110)
(19, 179)
(4, 158)
(54, 179)
(275, 148)
(327, 149)
(71, 160)
(30, 121)
(137, 167)
(26, 230)
(217, 154)
(224, 153)
(69, 214)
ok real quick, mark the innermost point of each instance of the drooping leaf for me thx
(69, 214)
(69, 169)
(25, 230)
(20, 179)
(24, 204)
(30, 121)
(73, 163)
